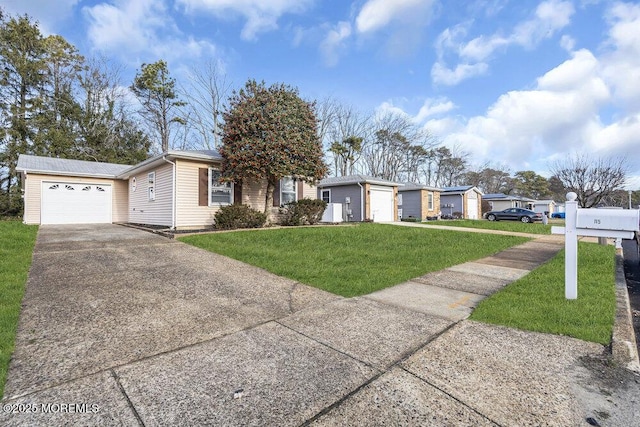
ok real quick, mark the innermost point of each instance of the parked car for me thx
(514, 214)
(557, 215)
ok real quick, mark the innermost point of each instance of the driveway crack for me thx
(116, 378)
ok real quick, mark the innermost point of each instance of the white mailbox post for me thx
(619, 224)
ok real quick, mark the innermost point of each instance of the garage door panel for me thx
(69, 203)
(382, 202)
(473, 209)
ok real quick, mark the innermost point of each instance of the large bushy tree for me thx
(270, 133)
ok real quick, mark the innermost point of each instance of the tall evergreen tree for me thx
(22, 75)
(156, 91)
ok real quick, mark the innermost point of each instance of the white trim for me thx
(295, 189)
(322, 196)
(210, 187)
(151, 186)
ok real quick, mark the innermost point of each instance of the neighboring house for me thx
(500, 201)
(176, 189)
(418, 201)
(465, 200)
(362, 197)
(543, 206)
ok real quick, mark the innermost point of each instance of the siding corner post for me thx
(173, 191)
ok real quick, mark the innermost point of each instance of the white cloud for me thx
(549, 17)
(334, 42)
(376, 14)
(560, 115)
(450, 77)
(621, 63)
(261, 15)
(143, 27)
(433, 107)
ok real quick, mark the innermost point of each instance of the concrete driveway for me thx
(122, 327)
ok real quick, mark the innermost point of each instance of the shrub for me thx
(410, 219)
(305, 211)
(239, 216)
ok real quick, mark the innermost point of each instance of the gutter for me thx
(361, 201)
(173, 192)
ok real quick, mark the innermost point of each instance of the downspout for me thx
(462, 205)
(24, 197)
(173, 192)
(361, 202)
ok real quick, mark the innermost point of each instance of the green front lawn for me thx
(534, 228)
(537, 303)
(16, 247)
(353, 260)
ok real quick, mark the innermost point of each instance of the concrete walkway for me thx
(121, 327)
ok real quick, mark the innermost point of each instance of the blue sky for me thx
(517, 83)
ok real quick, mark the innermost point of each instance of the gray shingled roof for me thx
(409, 186)
(335, 181)
(54, 166)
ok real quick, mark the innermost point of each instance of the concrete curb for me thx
(623, 342)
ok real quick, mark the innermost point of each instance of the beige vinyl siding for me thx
(120, 205)
(253, 194)
(33, 195)
(188, 213)
(309, 191)
(158, 211)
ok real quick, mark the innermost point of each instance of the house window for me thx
(430, 201)
(325, 195)
(287, 190)
(220, 193)
(399, 199)
(151, 181)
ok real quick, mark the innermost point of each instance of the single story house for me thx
(501, 201)
(362, 197)
(175, 189)
(464, 200)
(419, 201)
(543, 206)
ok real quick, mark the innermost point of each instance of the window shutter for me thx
(203, 186)
(237, 193)
(300, 190)
(276, 194)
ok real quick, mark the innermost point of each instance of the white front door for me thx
(69, 203)
(381, 203)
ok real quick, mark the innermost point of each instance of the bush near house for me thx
(302, 212)
(239, 216)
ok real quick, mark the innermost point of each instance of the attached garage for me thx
(382, 203)
(62, 191)
(75, 203)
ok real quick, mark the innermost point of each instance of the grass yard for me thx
(353, 260)
(537, 303)
(16, 247)
(517, 226)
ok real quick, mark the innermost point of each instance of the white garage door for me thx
(381, 204)
(472, 205)
(67, 203)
